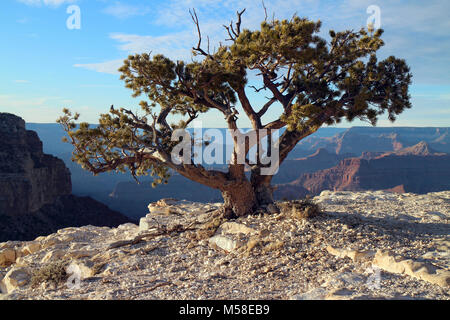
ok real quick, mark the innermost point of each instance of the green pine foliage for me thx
(316, 81)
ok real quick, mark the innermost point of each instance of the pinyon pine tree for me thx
(311, 81)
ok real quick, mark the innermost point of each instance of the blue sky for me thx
(45, 66)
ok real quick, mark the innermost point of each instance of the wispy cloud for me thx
(443, 98)
(414, 30)
(12, 101)
(174, 15)
(412, 16)
(21, 81)
(124, 11)
(42, 109)
(51, 3)
(174, 46)
(110, 67)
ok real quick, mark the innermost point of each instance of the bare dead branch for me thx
(265, 11)
(231, 37)
(197, 24)
(233, 32)
(238, 23)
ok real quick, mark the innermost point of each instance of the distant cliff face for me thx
(414, 169)
(291, 169)
(35, 188)
(29, 179)
(358, 140)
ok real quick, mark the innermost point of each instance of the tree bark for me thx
(246, 197)
(239, 199)
(264, 194)
(262, 186)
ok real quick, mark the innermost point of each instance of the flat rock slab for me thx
(390, 262)
(225, 243)
(366, 245)
(236, 228)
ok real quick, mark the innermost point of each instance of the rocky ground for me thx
(365, 245)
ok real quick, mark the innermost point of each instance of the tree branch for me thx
(197, 24)
(266, 106)
(252, 115)
(232, 33)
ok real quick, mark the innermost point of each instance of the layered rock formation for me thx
(357, 140)
(35, 188)
(319, 160)
(29, 178)
(416, 169)
(420, 149)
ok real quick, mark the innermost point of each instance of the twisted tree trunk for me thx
(246, 197)
(239, 200)
(263, 189)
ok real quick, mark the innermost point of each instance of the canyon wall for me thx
(35, 188)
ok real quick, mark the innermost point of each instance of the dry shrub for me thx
(264, 244)
(252, 243)
(208, 229)
(52, 273)
(274, 246)
(301, 209)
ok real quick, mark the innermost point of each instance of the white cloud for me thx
(410, 16)
(43, 109)
(109, 67)
(175, 46)
(124, 11)
(175, 15)
(414, 30)
(51, 3)
(12, 101)
(21, 81)
(432, 96)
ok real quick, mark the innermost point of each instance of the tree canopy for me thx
(312, 80)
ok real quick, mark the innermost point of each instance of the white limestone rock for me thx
(355, 255)
(390, 262)
(236, 228)
(31, 248)
(7, 257)
(225, 243)
(15, 278)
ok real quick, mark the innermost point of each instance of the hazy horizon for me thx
(323, 127)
